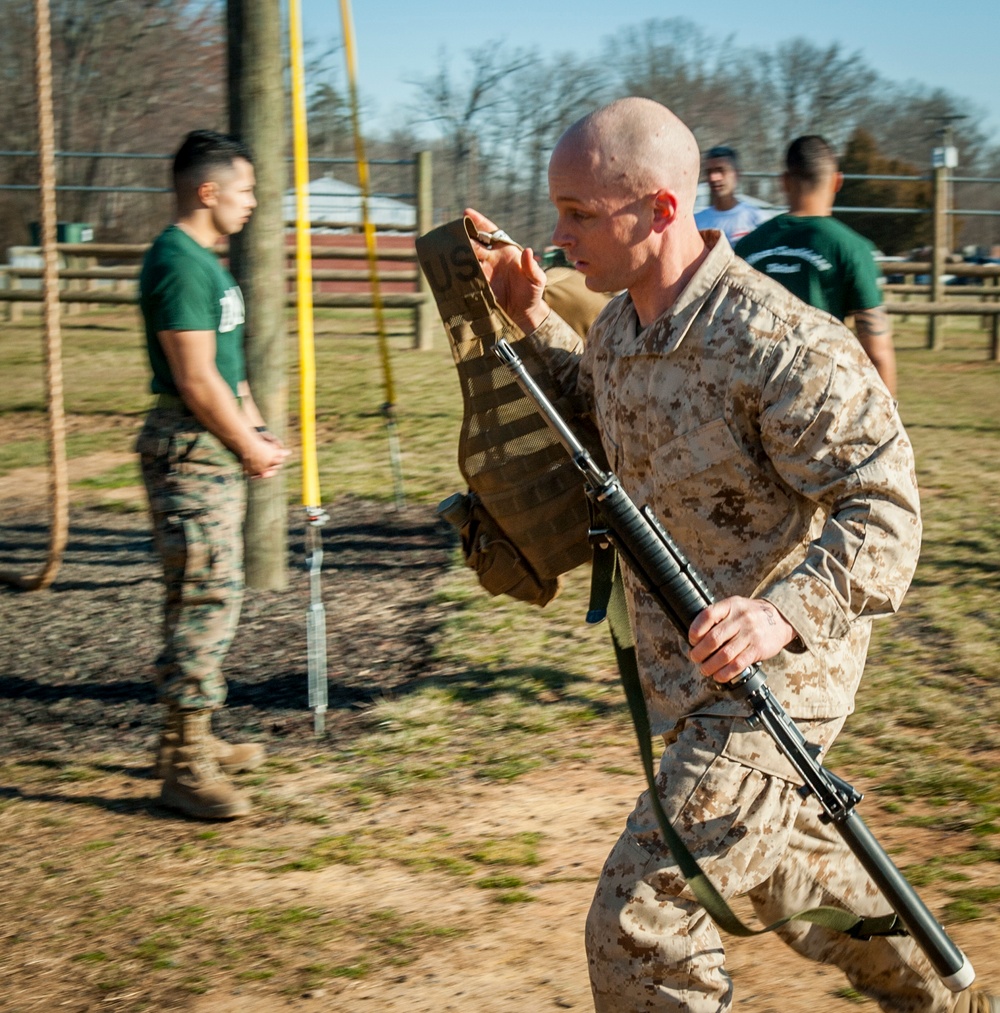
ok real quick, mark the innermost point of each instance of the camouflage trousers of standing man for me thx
(196, 493)
(733, 798)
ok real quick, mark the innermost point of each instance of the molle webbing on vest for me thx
(508, 454)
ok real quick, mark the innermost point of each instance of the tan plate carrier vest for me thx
(525, 519)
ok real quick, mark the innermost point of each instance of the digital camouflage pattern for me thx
(196, 494)
(762, 437)
(758, 431)
(651, 946)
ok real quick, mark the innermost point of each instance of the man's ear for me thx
(208, 193)
(664, 209)
(838, 181)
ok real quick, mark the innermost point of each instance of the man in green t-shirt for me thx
(202, 438)
(820, 259)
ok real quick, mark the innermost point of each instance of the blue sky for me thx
(954, 47)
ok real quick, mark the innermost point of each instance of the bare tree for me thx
(460, 104)
(130, 76)
(677, 63)
(820, 90)
(538, 104)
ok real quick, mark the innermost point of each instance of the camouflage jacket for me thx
(762, 437)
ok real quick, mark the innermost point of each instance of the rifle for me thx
(682, 594)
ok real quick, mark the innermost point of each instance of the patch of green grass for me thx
(119, 477)
(93, 957)
(514, 897)
(185, 918)
(158, 950)
(357, 970)
(613, 768)
(341, 849)
(34, 453)
(114, 984)
(518, 849)
(963, 910)
(499, 882)
(255, 974)
(74, 774)
(979, 894)
(848, 993)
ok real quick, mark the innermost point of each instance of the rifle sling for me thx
(835, 919)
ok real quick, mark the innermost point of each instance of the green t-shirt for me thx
(819, 259)
(184, 287)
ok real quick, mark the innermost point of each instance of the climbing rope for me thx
(59, 484)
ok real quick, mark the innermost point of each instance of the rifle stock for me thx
(682, 594)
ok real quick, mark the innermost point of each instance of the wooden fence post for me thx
(425, 314)
(935, 322)
(16, 313)
(256, 114)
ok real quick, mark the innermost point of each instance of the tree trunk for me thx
(257, 114)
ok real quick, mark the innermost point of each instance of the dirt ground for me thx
(75, 682)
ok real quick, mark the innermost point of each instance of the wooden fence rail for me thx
(957, 299)
(958, 303)
(115, 285)
(340, 300)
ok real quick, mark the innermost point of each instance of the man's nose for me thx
(559, 236)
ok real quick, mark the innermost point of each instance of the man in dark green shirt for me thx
(202, 439)
(820, 259)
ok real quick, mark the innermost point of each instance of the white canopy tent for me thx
(335, 201)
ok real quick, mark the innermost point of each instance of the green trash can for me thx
(66, 232)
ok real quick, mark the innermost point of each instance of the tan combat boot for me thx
(987, 1003)
(975, 1001)
(232, 757)
(194, 783)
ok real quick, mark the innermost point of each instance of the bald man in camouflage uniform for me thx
(758, 431)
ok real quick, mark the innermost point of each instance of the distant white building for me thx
(333, 200)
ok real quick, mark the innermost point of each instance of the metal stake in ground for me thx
(316, 516)
(316, 625)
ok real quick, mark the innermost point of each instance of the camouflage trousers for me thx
(196, 496)
(734, 800)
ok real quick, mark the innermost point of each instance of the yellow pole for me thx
(311, 499)
(389, 408)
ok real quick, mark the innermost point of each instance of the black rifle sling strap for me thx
(835, 919)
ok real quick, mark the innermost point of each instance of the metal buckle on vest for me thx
(492, 238)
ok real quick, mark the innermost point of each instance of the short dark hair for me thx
(724, 151)
(810, 159)
(204, 151)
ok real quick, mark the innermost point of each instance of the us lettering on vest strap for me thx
(525, 518)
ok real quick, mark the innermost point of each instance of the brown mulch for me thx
(76, 661)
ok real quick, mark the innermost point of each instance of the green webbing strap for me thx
(601, 581)
(835, 919)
